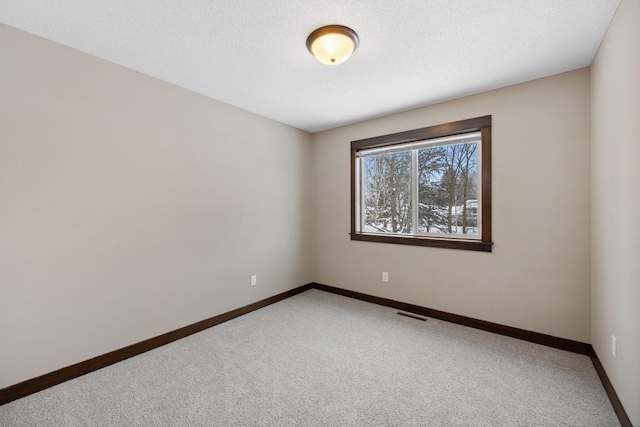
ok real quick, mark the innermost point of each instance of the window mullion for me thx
(414, 191)
(361, 209)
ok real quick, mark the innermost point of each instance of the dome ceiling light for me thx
(333, 44)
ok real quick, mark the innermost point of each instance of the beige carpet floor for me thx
(319, 359)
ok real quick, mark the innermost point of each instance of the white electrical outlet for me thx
(613, 345)
(254, 280)
(385, 277)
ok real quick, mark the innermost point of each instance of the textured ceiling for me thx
(252, 54)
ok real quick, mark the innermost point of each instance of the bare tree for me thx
(451, 175)
(387, 189)
(468, 160)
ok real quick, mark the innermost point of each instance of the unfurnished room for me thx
(320, 213)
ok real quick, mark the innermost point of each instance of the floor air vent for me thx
(413, 316)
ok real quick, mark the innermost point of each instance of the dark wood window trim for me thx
(482, 124)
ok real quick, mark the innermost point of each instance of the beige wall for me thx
(130, 207)
(538, 275)
(615, 119)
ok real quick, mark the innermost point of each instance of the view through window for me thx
(431, 189)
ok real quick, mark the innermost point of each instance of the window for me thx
(427, 187)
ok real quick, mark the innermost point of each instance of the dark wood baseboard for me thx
(608, 387)
(535, 337)
(45, 381)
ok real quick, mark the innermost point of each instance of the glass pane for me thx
(448, 189)
(386, 186)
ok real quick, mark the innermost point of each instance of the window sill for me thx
(466, 245)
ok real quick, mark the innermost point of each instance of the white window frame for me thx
(414, 148)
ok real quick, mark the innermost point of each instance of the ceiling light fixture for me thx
(333, 44)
